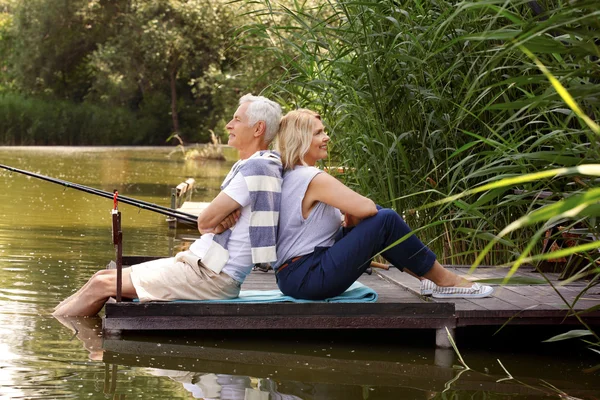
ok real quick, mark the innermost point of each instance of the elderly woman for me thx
(315, 258)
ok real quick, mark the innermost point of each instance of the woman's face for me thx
(318, 146)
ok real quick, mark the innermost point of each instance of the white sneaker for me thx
(427, 287)
(476, 291)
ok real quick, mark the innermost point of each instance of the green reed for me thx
(426, 100)
(37, 121)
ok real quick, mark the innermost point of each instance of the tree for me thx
(162, 47)
(174, 64)
(6, 21)
(53, 40)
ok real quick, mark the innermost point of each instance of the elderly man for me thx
(239, 228)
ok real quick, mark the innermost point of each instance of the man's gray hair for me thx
(263, 109)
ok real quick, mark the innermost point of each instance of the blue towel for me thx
(357, 293)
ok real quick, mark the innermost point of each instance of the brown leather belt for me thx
(284, 265)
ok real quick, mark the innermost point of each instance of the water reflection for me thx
(227, 368)
(52, 239)
(226, 387)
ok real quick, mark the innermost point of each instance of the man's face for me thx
(240, 133)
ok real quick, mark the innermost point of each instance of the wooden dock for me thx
(181, 200)
(399, 306)
(526, 304)
(193, 207)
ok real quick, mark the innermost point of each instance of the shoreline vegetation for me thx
(429, 101)
(477, 121)
(123, 72)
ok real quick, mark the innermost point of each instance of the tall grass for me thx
(430, 99)
(35, 121)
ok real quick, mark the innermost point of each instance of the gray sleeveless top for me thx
(298, 236)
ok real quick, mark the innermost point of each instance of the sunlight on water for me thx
(7, 381)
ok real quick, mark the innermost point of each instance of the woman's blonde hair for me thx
(295, 136)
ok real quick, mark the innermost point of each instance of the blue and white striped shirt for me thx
(262, 174)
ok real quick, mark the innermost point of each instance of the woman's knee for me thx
(387, 213)
(387, 216)
(389, 220)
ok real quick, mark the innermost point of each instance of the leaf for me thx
(508, 375)
(588, 310)
(592, 369)
(564, 93)
(464, 148)
(453, 343)
(569, 335)
(564, 252)
(515, 280)
(586, 169)
(570, 207)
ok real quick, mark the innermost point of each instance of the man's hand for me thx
(350, 220)
(222, 210)
(227, 222)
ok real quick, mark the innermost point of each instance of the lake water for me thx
(52, 239)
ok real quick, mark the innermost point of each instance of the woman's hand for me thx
(350, 220)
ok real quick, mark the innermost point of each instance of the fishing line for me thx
(182, 216)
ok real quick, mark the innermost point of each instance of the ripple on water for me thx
(48, 363)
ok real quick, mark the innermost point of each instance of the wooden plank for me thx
(193, 207)
(519, 301)
(494, 304)
(525, 291)
(461, 304)
(412, 284)
(415, 310)
(487, 274)
(400, 279)
(483, 274)
(533, 274)
(185, 187)
(286, 322)
(584, 304)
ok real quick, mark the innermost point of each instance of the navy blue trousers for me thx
(329, 271)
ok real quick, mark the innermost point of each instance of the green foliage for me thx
(6, 22)
(160, 50)
(169, 62)
(31, 121)
(52, 40)
(426, 100)
(569, 335)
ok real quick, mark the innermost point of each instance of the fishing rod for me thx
(182, 216)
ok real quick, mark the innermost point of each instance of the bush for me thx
(38, 121)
